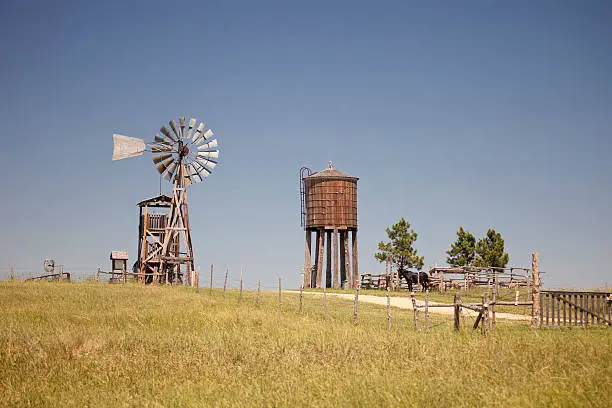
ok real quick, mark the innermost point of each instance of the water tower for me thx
(329, 210)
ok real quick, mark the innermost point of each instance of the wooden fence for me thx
(575, 309)
(55, 276)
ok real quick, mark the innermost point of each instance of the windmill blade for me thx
(161, 139)
(204, 136)
(159, 147)
(201, 170)
(210, 145)
(170, 171)
(213, 154)
(160, 158)
(202, 164)
(192, 123)
(167, 133)
(182, 125)
(175, 129)
(198, 132)
(161, 167)
(193, 174)
(125, 146)
(210, 164)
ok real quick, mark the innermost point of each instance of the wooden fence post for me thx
(355, 307)
(535, 295)
(325, 300)
(280, 295)
(98, 275)
(457, 311)
(415, 310)
(122, 272)
(197, 280)
(225, 282)
(528, 287)
(427, 309)
(258, 293)
(493, 300)
(211, 277)
(388, 307)
(241, 272)
(301, 294)
(485, 314)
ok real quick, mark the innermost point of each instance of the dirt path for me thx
(406, 303)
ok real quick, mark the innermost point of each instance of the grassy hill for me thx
(99, 345)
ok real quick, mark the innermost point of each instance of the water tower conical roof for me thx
(331, 172)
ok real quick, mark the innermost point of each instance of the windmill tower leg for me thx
(188, 244)
(177, 232)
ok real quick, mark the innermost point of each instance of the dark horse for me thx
(413, 278)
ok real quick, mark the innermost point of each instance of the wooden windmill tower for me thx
(186, 155)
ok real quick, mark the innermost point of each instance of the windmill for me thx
(184, 154)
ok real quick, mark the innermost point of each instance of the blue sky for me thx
(485, 114)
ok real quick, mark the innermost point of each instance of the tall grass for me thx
(127, 345)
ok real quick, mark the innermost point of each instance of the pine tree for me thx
(490, 251)
(463, 251)
(400, 247)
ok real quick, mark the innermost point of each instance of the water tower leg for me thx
(342, 258)
(335, 251)
(307, 257)
(313, 275)
(347, 259)
(355, 260)
(320, 248)
(328, 266)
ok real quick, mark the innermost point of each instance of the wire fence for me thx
(482, 309)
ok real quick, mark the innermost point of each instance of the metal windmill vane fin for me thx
(167, 133)
(161, 158)
(175, 129)
(182, 125)
(161, 167)
(212, 154)
(204, 136)
(157, 147)
(192, 122)
(162, 140)
(208, 163)
(201, 169)
(126, 146)
(208, 134)
(198, 132)
(210, 145)
(170, 170)
(193, 173)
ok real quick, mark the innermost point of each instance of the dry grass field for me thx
(100, 345)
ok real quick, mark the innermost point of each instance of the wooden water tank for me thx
(330, 200)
